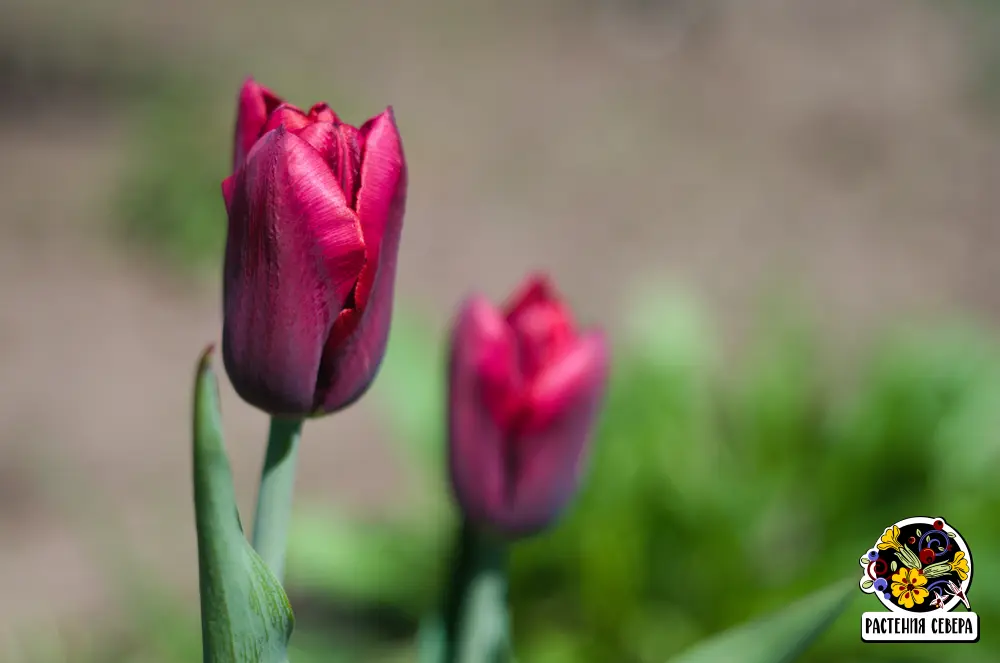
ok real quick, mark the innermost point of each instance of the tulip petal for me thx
(534, 290)
(339, 146)
(322, 113)
(256, 103)
(549, 454)
(357, 342)
(228, 185)
(482, 349)
(293, 254)
(543, 324)
(287, 116)
(382, 193)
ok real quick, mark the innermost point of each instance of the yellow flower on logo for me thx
(908, 587)
(890, 539)
(960, 565)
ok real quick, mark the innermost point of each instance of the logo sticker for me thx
(920, 570)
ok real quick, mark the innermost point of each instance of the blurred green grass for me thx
(719, 490)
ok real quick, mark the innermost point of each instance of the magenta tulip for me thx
(525, 387)
(315, 216)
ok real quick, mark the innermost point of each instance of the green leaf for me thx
(245, 614)
(778, 638)
(867, 583)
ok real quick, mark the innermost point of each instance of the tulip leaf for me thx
(245, 614)
(778, 638)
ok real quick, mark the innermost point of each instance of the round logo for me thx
(918, 565)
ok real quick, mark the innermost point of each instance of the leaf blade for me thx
(777, 638)
(246, 617)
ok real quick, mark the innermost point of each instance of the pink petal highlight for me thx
(322, 113)
(318, 202)
(293, 254)
(534, 290)
(477, 449)
(353, 355)
(287, 116)
(543, 323)
(383, 176)
(338, 144)
(550, 454)
(228, 185)
(255, 104)
(581, 369)
(496, 361)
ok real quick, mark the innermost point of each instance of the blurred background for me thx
(784, 211)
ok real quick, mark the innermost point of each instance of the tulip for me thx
(525, 387)
(315, 215)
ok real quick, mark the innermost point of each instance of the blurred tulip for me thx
(315, 215)
(525, 389)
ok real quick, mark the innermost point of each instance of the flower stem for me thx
(274, 499)
(475, 612)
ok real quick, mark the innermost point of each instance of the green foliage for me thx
(779, 638)
(720, 492)
(245, 615)
(361, 562)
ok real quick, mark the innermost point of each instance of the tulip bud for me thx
(525, 387)
(315, 216)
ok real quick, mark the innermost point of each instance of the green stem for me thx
(274, 499)
(475, 609)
